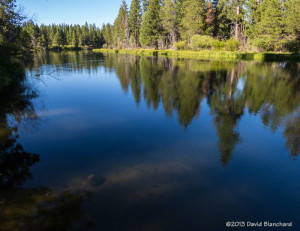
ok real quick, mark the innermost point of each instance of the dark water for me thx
(117, 142)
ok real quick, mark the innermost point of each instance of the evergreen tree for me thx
(179, 14)
(127, 28)
(292, 25)
(151, 25)
(59, 37)
(107, 34)
(121, 27)
(210, 18)
(135, 20)
(34, 31)
(74, 39)
(232, 17)
(193, 21)
(168, 20)
(14, 41)
(145, 5)
(269, 28)
(264, 24)
(44, 41)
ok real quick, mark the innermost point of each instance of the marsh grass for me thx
(208, 54)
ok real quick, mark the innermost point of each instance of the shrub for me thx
(263, 44)
(201, 42)
(217, 44)
(180, 45)
(104, 46)
(232, 45)
(292, 45)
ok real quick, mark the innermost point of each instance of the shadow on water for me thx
(27, 208)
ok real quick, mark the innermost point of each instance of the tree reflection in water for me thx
(230, 89)
(20, 208)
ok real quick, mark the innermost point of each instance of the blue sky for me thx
(72, 11)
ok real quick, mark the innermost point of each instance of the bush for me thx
(217, 44)
(104, 46)
(292, 45)
(201, 42)
(180, 45)
(232, 45)
(263, 44)
(267, 43)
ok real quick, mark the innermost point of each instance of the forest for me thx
(247, 25)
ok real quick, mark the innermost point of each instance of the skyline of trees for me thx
(64, 35)
(255, 25)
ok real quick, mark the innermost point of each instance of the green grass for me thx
(208, 54)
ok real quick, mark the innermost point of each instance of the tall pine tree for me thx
(269, 28)
(121, 27)
(135, 20)
(151, 25)
(168, 20)
(193, 21)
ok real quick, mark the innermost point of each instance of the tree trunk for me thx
(236, 29)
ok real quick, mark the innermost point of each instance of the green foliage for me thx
(269, 25)
(107, 31)
(135, 20)
(121, 28)
(232, 45)
(269, 32)
(62, 35)
(211, 18)
(201, 42)
(168, 21)
(292, 45)
(15, 43)
(34, 32)
(292, 18)
(182, 45)
(263, 44)
(211, 55)
(226, 15)
(151, 28)
(193, 21)
(145, 5)
(74, 39)
(217, 44)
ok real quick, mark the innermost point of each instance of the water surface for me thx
(120, 142)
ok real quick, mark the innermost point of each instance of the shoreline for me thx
(208, 54)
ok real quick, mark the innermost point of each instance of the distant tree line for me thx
(264, 25)
(44, 37)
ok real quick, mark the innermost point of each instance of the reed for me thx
(208, 54)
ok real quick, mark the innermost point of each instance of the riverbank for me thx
(64, 48)
(207, 54)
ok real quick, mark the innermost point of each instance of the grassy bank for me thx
(64, 48)
(70, 48)
(207, 54)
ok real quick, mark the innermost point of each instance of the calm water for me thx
(117, 142)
